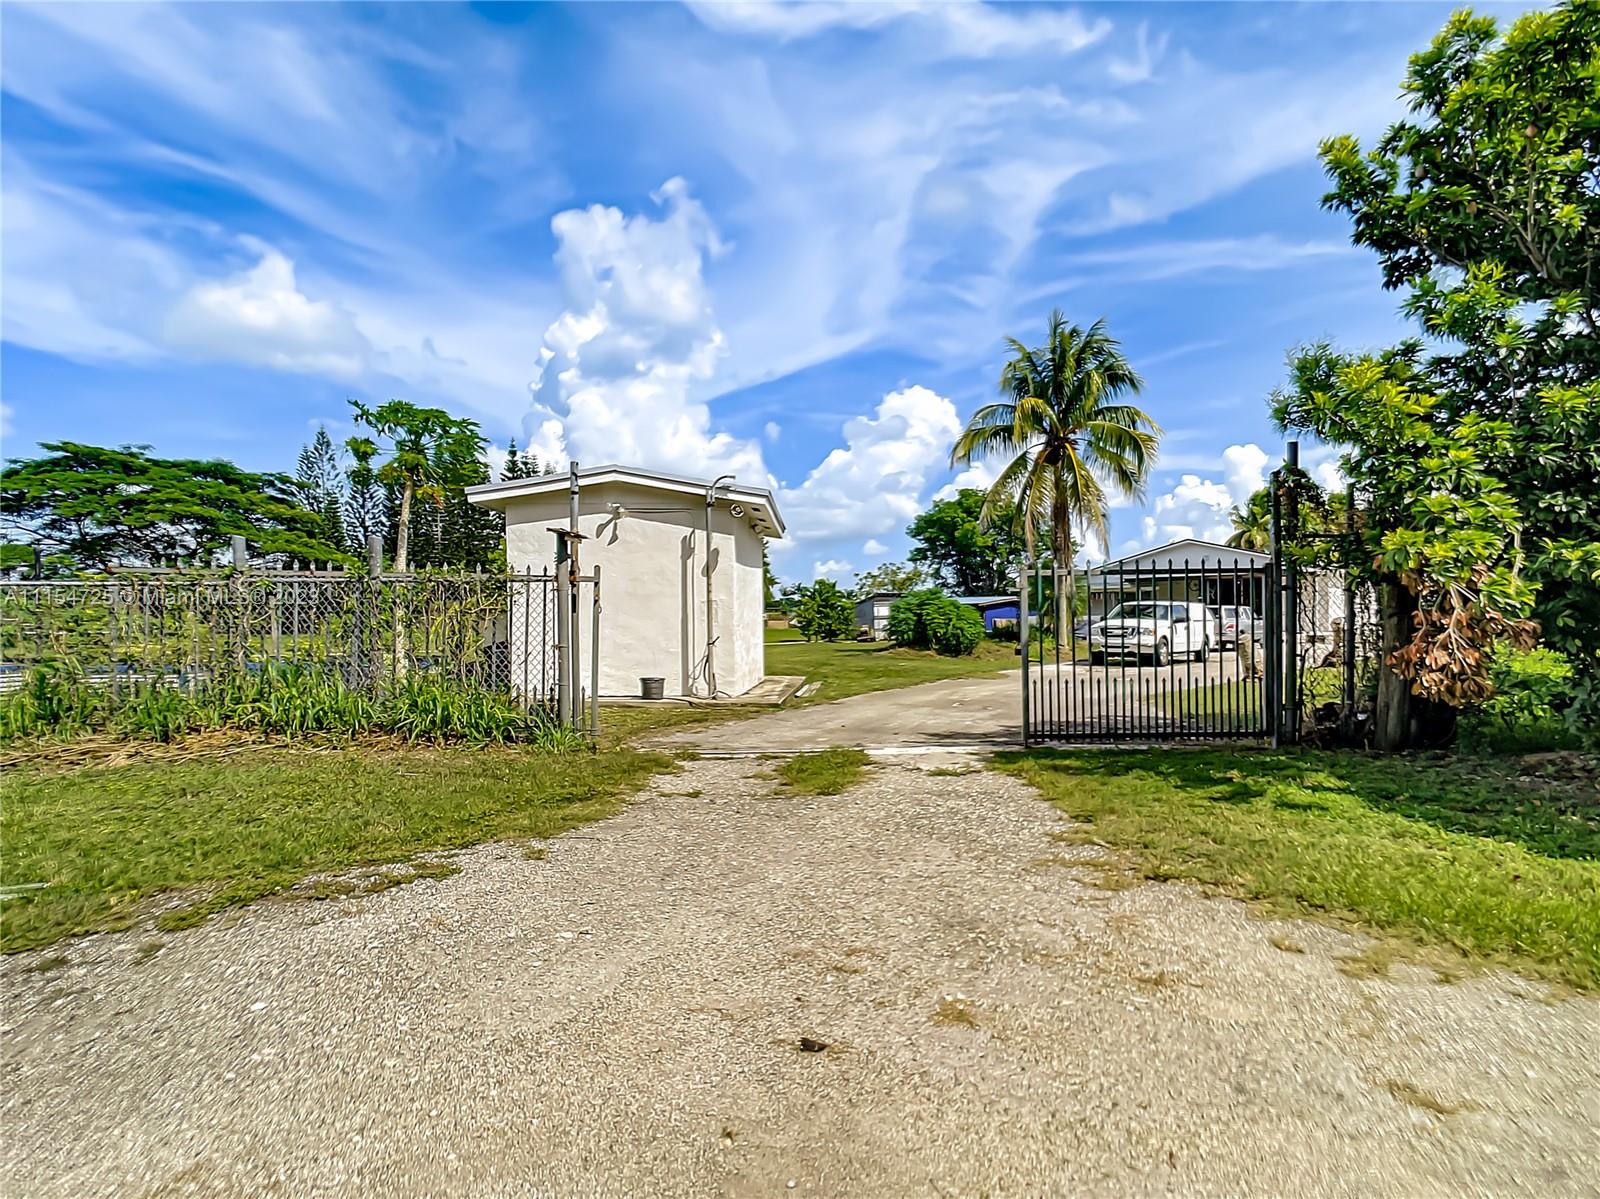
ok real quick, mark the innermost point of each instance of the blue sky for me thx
(783, 240)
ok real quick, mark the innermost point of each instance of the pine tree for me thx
(364, 505)
(320, 483)
(524, 467)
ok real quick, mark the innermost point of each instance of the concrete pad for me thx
(972, 712)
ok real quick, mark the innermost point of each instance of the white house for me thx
(1189, 569)
(659, 540)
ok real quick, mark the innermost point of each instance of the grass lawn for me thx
(1445, 852)
(223, 830)
(846, 668)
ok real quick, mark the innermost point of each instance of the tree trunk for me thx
(1063, 576)
(1393, 716)
(402, 534)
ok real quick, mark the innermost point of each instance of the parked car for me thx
(1233, 619)
(1158, 630)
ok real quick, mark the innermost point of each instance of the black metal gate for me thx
(1182, 650)
(1280, 646)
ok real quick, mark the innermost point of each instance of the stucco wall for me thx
(653, 596)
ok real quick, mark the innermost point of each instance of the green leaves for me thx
(823, 612)
(107, 507)
(1065, 428)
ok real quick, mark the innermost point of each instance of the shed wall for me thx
(653, 564)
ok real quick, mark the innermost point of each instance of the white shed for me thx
(648, 534)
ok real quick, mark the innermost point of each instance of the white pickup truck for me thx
(1158, 630)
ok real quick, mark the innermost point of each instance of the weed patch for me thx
(828, 772)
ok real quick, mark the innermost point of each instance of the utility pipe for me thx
(711, 673)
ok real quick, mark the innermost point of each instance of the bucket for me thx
(652, 688)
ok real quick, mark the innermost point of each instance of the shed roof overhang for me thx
(760, 507)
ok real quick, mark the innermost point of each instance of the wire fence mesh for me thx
(491, 631)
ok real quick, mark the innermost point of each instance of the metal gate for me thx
(1186, 651)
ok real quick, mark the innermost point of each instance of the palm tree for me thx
(1068, 431)
(1252, 524)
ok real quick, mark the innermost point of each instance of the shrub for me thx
(930, 619)
(1533, 691)
(823, 612)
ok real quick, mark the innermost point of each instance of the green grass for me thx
(1443, 852)
(828, 772)
(219, 831)
(845, 668)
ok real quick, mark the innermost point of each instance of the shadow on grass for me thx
(1471, 796)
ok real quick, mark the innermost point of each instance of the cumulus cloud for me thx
(872, 485)
(772, 430)
(832, 568)
(261, 317)
(1199, 507)
(618, 366)
(874, 548)
(980, 474)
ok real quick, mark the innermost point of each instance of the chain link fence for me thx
(497, 632)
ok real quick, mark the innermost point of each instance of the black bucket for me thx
(652, 688)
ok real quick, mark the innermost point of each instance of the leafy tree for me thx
(894, 576)
(823, 612)
(1485, 205)
(930, 619)
(106, 507)
(964, 551)
(320, 481)
(429, 452)
(1069, 432)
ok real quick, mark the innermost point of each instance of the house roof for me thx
(1203, 553)
(984, 601)
(761, 508)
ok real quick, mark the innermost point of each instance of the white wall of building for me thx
(653, 583)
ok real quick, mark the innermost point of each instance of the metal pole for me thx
(575, 668)
(1272, 684)
(711, 637)
(1291, 615)
(1022, 644)
(594, 659)
(240, 552)
(563, 643)
(1349, 614)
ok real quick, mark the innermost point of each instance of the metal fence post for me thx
(564, 679)
(1024, 637)
(594, 659)
(1291, 615)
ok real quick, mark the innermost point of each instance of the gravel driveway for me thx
(623, 1018)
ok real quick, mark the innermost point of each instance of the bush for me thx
(930, 619)
(823, 612)
(1533, 691)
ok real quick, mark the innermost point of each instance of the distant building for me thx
(872, 611)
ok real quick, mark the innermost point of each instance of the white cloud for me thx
(1199, 507)
(261, 317)
(6, 427)
(968, 28)
(874, 548)
(832, 568)
(872, 485)
(1147, 53)
(980, 474)
(619, 365)
(772, 430)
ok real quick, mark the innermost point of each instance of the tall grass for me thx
(288, 700)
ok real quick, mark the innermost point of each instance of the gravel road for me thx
(624, 1017)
